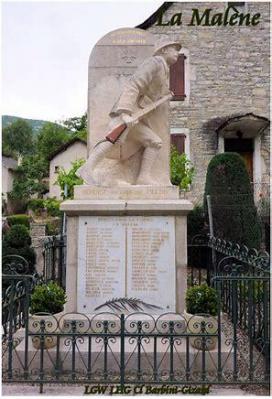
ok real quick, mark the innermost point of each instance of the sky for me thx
(45, 52)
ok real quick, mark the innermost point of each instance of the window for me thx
(180, 137)
(177, 78)
(56, 169)
(178, 140)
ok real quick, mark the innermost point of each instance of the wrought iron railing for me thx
(17, 285)
(135, 349)
(143, 349)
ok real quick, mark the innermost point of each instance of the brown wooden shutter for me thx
(178, 140)
(177, 79)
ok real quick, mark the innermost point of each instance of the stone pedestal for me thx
(133, 245)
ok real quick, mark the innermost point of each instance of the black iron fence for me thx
(54, 253)
(141, 349)
(17, 286)
(137, 349)
(245, 283)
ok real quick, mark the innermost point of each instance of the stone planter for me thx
(194, 326)
(53, 323)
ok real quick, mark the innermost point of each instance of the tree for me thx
(50, 138)
(234, 213)
(77, 125)
(29, 178)
(18, 138)
(68, 179)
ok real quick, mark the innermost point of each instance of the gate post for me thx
(122, 352)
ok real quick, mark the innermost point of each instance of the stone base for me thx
(124, 208)
(157, 213)
(180, 356)
(126, 192)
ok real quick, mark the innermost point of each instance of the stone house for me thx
(221, 85)
(8, 167)
(62, 158)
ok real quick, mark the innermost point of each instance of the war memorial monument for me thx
(127, 226)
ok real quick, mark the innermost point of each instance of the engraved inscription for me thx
(126, 256)
(146, 245)
(102, 262)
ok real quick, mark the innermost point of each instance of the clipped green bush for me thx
(201, 299)
(47, 298)
(19, 219)
(17, 241)
(17, 236)
(234, 213)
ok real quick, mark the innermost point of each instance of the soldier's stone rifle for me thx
(115, 133)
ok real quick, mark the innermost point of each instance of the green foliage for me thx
(36, 124)
(19, 219)
(17, 236)
(18, 138)
(234, 213)
(51, 205)
(28, 178)
(48, 298)
(182, 171)
(76, 124)
(201, 299)
(50, 138)
(17, 241)
(196, 221)
(36, 205)
(69, 178)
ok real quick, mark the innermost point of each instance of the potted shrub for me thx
(46, 303)
(202, 308)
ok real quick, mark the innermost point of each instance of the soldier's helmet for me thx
(163, 42)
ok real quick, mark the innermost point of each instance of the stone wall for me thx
(228, 72)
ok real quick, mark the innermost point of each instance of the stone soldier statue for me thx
(139, 107)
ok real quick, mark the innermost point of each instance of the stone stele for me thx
(112, 62)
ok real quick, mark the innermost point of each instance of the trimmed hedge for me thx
(17, 236)
(17, 241)
(19, 219)
(234, 213)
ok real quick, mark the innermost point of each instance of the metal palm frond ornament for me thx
(127, 304)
